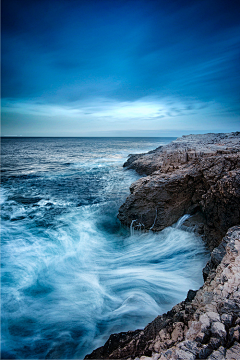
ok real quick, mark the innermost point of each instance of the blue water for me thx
(71, 275)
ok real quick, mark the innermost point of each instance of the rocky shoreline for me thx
(197, 175)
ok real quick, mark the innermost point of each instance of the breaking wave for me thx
(71, 275)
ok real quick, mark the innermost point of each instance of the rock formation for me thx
(193, 174)
(199, 175)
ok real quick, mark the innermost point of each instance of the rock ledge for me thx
(195, 174)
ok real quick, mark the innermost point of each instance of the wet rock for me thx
(191, 295)
(195, 173)
(114, 342)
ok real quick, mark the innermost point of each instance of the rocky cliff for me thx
(195, 174)
(198, 175)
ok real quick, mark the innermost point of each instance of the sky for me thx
(120, 68)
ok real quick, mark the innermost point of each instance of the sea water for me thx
(71, 274)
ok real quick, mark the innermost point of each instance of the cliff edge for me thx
(197, 175)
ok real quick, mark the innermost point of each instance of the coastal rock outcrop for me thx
(195, 174)
(204, 326)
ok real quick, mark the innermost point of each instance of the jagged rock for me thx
(195, 173)
(227, 320)
(209, 330)
(191, 295)
(233, 352)
(218, 354)
(218, 330)
(178, 332)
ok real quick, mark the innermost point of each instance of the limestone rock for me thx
(195, 173)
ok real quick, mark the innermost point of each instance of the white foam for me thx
(182, 220)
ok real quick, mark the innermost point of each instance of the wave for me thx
(71, 275)
(88, 278)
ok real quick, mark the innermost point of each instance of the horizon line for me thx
(35, 136)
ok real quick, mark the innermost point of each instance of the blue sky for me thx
(120, 68)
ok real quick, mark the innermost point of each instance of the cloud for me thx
(148, 108)
(107, 117)
(147, 116)
(119, 63)
(38, 108)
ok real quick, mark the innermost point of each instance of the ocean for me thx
(71, 274)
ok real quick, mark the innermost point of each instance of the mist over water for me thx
(71, 275)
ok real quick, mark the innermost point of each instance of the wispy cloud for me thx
(145, 108)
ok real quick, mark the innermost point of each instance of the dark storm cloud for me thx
(63, 52)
